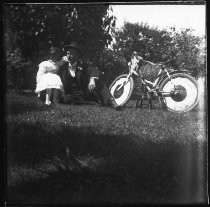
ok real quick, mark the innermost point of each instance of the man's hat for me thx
(73, 45)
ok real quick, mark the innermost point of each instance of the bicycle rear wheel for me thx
(183, 96)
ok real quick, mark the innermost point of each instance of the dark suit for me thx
(76, 88)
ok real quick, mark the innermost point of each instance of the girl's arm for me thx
(42, 70)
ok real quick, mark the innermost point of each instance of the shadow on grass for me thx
(134, 171)
(22, 102)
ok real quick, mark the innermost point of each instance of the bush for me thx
(20, 74)
(184, 50)
(112, 64)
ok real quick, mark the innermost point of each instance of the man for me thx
(81, 81)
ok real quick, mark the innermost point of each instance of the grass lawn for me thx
(130, 156)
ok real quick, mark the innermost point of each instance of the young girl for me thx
(47, 77)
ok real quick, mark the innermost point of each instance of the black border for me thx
(3, 143)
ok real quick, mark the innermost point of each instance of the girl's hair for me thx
(55, 53)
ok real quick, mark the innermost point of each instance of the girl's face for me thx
(73, 55)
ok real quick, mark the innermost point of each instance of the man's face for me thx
(73, 55)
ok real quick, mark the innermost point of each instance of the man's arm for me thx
(93, 71)
(42, 70)
(63, 65)
(94, 74)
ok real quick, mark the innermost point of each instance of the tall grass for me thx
(132, 156)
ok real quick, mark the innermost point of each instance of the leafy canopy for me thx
(34, 25)
(182, 49)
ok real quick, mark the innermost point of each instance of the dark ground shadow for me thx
(15, 105)
(134, 170)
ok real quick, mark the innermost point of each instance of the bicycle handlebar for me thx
(160, 63)
(148, 62)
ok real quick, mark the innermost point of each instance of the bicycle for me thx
(176, 90)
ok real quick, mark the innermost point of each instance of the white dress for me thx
(47, 77)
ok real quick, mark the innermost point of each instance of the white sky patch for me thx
(163, 16)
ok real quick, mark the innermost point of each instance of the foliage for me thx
(112, 64)
(183, 50)
(20, 74)
(187, 50)
(36, 24)
(149, 42)
(139, 38)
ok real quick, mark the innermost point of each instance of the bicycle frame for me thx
(128, 77)
(162, 75)
(147, 83)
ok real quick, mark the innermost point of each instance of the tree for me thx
(182, 49)
(187, 51)
(150, 43)
(112, 64)
(59, 24)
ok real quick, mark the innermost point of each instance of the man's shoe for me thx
(112, 103)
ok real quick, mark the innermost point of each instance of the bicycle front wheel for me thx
(121, 89)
